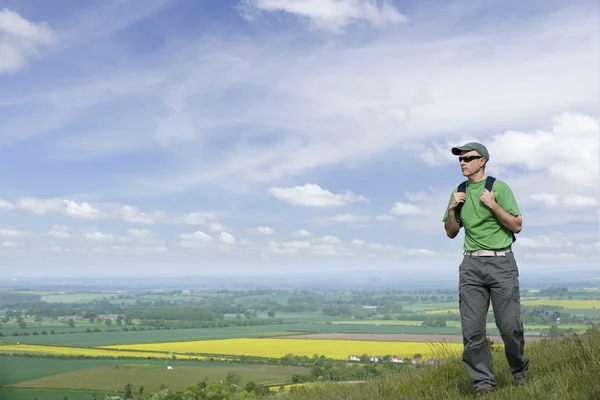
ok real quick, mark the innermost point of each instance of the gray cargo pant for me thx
(482, 278)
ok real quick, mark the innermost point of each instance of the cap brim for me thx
(456, 150)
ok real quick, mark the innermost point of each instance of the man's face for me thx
(470, 166)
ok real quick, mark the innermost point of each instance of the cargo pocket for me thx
(516, 295)
(513, 262)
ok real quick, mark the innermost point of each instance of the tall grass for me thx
(564, 368)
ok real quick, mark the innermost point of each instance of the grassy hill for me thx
(563, 368)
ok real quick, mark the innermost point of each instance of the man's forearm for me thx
(510, 222)
(451, 225)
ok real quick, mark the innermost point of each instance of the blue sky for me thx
(184, 136)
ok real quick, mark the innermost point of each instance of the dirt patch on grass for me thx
(396, 337)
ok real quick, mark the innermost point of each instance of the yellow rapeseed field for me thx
(569, 304)
(572, 304)
(445, 311)
(77, 351)
(267, 347)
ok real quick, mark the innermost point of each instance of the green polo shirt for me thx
(483, 231)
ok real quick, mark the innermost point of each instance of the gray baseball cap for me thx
(478, 147)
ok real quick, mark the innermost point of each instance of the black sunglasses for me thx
(468, 158)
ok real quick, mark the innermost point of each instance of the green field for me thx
(174, 335)
(153, 336)
(48, 394)
(456, 324)
(429, 306)
(34, 377)
(19, 369)
(152, 376)
(297, 317)
(77, 298)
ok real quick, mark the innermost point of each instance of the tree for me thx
(119, 320)
(271, 314)
(233, 378)
(554, 330)
(71, 323)
(128, 394)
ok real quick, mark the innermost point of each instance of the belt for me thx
(488, 253)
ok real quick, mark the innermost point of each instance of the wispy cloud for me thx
(21, 40)
(298, 126)
(111, 211)
(334, 15)
(312, 195)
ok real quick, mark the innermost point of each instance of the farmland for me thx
(60, 343)
(151, 377)
(336, 349)
(79, 351)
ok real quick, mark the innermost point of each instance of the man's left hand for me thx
(488, 198)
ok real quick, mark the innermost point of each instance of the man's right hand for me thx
(457, 199)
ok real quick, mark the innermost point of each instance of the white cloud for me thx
(400, 208)
(216, 226)
(544, 242)
(66, 207)
(419, 252)
(99, 236)
(59, 232)
(5, 205)
(11, 232)
(57, 249)
(195, 239)
(570, 150)
(334, 15)
(227, 238)
(328, 102)
(20, 39)
(120, 212)
(329, 239)
(312, 195)
(346, 218)
(384, 217)
(279, 247)
(132, 214)
(301, 233)
(263, 230)
(141, 233)
(9, 244)
(578, 200)
(558, 257)
(548, 199)
(198, 218)
(144, 236)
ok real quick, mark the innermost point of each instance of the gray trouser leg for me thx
(474, 298)
(506, 302)
(482, 279)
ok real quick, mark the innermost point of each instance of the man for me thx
(488, 270)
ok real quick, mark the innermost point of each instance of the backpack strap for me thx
(462, 188)
(489, 183)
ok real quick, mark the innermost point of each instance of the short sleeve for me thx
(505, 198)
(447, 205)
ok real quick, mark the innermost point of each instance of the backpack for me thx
(462, 188)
